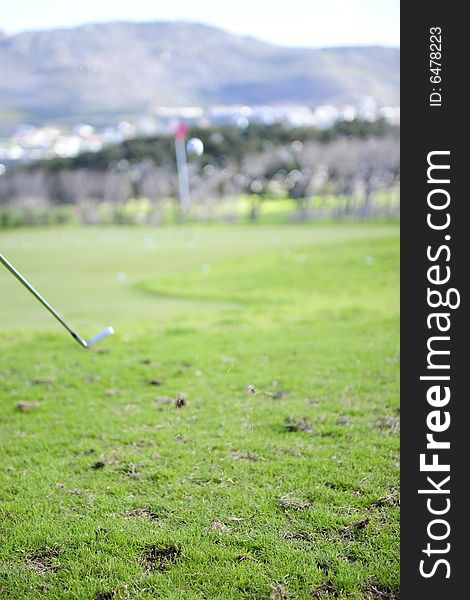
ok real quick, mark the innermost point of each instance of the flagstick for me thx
(182, 167)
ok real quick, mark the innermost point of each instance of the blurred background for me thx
(218, 181)
(290, 114)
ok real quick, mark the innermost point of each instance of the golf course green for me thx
(238, 436)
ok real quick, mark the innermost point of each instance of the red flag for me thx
(181, 131)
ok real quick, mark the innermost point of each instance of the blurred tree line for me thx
(354, 162)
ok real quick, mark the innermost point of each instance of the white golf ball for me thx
(195, 146)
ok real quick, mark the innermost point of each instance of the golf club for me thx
(86, 344)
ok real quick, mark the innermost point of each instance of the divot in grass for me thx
(26, 405)
(294, 424)
(293, 503)
(326, 590)
(142, 513)
(99, 464)
(43, 559)
(388, 424)
(279, 592)
(389, 500)
(217, 525)
(181, 400)
(43, 381)
(241, 455)
(351, 531)
(277, 395)
(105, 595)
(158, 558)
(300, 536)
(377, 591)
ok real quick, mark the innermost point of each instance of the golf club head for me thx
(99, 336)
(79, 339)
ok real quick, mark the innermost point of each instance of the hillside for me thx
(126, 68)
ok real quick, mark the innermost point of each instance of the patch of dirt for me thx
(181, 400)
(292, 503)
(244, 456)
(342, 421)
(277, 395)
(390, 424)
(301, 536)
(105, 595)
(323, 565)
(349, 532)
(340, 486)
(377, 591)
(44, 559)
(278, 592)
(131, 470)
(311, 401)
(156, 381)
(242, 557)
(157, 558)
(42, 381)
(349, 556)
(293, 424)
(142, 513)
(326, 590)
(389, 500)
(26, 405)
(99, 464)
(91, 378)
(217, 525)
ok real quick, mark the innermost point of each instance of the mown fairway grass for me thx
(278, 478)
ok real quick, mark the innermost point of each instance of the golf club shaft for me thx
(37, 295)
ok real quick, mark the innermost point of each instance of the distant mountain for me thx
(127, 68)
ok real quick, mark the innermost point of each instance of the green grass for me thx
(218, 499)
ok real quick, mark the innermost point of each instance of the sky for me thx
(310, 23)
